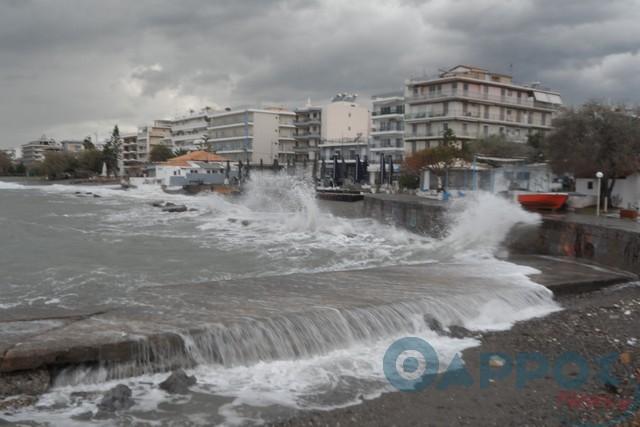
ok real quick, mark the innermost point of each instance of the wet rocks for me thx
(178, 382)
(31, 383)
(175, 208)
(170, 207)
(245, 222)
(116, 399)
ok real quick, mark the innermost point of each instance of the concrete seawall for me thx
(611, 242)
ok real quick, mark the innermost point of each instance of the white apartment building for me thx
(474, 103)
(34, 151)
(308, 130)
(344, 129)
(188, 131)
(387, 133)
(71, 146)
(254, 135)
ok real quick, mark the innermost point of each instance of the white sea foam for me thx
(279, 223)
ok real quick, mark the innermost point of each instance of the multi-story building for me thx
(308, 130)
(189, 131)
(131, 165)
(387, 133)
(253, 135)
(344, 129)
(71, 146)
(34, 151)
(159, 133)
(474, 103)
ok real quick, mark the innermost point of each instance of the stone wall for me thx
(418, 215)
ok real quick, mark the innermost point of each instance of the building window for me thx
(486, 130)
(590, 185)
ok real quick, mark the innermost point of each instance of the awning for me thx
(549, 98)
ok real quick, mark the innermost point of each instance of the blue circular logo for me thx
(410, 364)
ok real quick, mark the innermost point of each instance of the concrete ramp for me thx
(242, 321)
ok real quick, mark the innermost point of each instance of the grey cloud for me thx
(72, 65)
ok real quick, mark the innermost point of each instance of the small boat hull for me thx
(543, 201)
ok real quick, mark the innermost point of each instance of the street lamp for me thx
(599, 175)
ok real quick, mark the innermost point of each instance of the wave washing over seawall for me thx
(117, 244)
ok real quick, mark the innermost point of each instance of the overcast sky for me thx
(71, 68)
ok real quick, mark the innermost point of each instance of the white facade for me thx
(187, 131)
(253, 135)
(35, 151)
(474, 103)
(387, 133)
(626, 191)
(344, 129)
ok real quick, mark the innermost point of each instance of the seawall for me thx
(607, 241)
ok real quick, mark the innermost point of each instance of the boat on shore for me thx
(543, 201)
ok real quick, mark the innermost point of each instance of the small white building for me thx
(197, 167)
(625, 194)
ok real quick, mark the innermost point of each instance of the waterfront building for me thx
(189, 131)
(71, 146)
(159, 133)
(308, 132)
(131, 164)
(34, 151)
(387, 133)
(196, 167)
(253, 135)
(474, 103)
(344, 129)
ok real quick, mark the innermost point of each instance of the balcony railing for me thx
(456, 114)
(475, 95)
(387, 113)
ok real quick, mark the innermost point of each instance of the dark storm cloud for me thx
(74, 67)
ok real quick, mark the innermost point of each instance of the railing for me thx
(456, 114)
(387, 113)
(511, 100)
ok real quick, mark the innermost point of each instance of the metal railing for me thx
(511, 100)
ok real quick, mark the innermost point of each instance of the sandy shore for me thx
(593, 325)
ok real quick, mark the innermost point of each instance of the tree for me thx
(160, 153)
(111, 152)
(595, 138)
(20, 169)
(87, 144)
(59, 165)
(438, 159)
(499, 146)
(180, 152)
(89, 162)
(5, 163)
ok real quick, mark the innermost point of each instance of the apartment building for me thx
(387, 133)
(344, 129)
(188, 130)
(307, 133)
(131, 165)
(34, 151)
(474, 103)
(254, 135)
(72, 146)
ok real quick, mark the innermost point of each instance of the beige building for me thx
(344, 130)
(131, 165)
(70, 146)
(253, 135)
(474, 103)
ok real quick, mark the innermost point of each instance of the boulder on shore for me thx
(175, 208)
(116, 399)
(31, 383)
(178, 382)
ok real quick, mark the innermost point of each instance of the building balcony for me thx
(476, 117)
(231, 138)
(379, 114)
(308, 136)
(380, 132)
(478, 96)
(229, 125)
(309, 122)
(200, 125)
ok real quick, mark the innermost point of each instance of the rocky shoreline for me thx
(592, 325)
